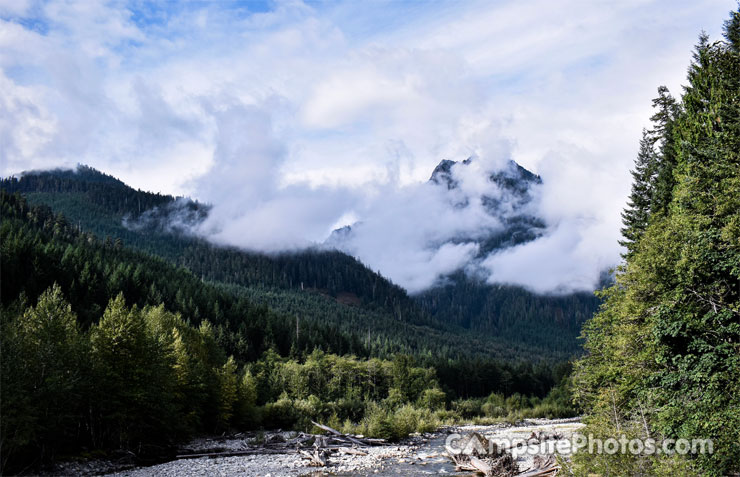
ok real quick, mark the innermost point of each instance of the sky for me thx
(295, 118)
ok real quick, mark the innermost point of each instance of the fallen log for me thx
(478, 454)
(352, 451)
(375, 441)
(339, 434)
(261, 450)
(318, 458)
(543, 467)
(480, 465)
(300, 440)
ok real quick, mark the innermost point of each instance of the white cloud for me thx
(252, 208)
(561, 261)
(291, 119)
(14, 8)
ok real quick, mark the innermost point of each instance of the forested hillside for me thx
(106, 347)
(663, 356)
(41, 248)
(326, 286)
(511, 313)
(158, 224)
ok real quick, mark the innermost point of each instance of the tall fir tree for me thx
(636, 216)
(667, 109)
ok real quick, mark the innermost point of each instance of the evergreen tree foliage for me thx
(663, 120)
(664, 351)
(42, 378)
(652, 177)
(133, 391)
(636, 216)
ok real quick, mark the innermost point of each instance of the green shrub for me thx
(306, 410)
(515, 402)
(377, 422)
(495, 406)
(432, 399)
(549, 411)
(280, 414)
(468, 408)
(446, 417)
(405, 421)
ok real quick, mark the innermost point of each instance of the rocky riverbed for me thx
(419, 455)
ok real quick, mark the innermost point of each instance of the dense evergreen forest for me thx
(663, 353)
(320, 285)
(109, 347)
(509, 312)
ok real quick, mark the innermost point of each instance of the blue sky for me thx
(298, 116)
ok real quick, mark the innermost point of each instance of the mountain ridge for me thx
(286, 278)
(509, 201)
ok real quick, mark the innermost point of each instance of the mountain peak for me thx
(442, 174)
(515, 178)
(461, 215)
(512, 177)
(81, 173)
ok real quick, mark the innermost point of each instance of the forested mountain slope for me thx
(320, 285)
(159, 224)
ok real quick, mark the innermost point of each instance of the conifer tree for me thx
(43, 377)
(636, 216)
(227, 393)
(667, 110)
(732, 31)
(133, 379)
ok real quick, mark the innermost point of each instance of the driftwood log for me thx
(484, 457)
(317, 458)
(478, 454)
(336, 442)
(543, 467)
(353, 440)
(502, 465)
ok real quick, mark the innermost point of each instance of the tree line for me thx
(663, 353)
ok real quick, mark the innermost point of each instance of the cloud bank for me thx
(293, 119)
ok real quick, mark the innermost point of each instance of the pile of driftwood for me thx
(315, 448)
(485, 457)
(335, 442)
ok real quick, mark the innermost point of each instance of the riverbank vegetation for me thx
(144, 379)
